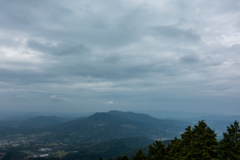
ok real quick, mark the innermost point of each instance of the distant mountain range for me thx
(101, 126)
(115, 124)
(217, 122)
(110, 125)
(106, 134)
(36, 122)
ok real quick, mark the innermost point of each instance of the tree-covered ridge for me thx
(197, 143)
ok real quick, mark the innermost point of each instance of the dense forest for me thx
(198, 143)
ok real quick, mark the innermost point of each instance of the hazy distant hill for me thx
(217, 122)
(212, 118)
(167, 125)
(102, 126)
(109, 148)
(4, 131)
(98, 127)
(36, 122)
(140, 117)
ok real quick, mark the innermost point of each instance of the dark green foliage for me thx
(44, 158)
(174, 149)
(156, 151)
(123, 158)
(139, 156)
(229, 147)
(199, 142)
(14, 155)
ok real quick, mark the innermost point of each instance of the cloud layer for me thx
(168, 55)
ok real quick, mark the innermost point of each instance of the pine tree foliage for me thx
(156, 151)
(173, 149)
(229, 147)
(123, 158)
(199, 142)
(139, 156)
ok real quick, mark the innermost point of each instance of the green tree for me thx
(156, 151)
(199, 143)
(125, 158)
(139, 156)
(229, 147)
(173, 149)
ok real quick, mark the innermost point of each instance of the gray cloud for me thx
(173, 32)
(21, 97)
(164, 55)
(59, 49)
(190, 59)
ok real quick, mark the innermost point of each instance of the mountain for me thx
(36, 122)
(109, 149)
(103, 126)
(140, 117)
(98, 127)
(165, 124)
(43, 121)
(162, 114)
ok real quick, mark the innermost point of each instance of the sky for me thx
(100, 55)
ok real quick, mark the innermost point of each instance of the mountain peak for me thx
(101, 116)
(133, 116)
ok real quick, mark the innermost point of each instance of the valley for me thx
(106, 134)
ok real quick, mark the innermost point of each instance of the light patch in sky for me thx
(110, 102)
(58, 98)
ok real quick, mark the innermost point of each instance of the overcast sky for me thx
(100, 55)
